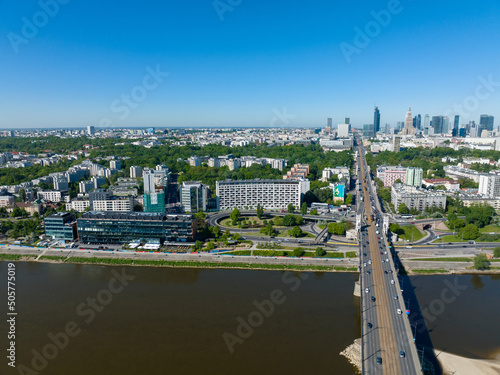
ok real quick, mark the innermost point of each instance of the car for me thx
(408, 247)
(370, 325)
(383, 261)
(369, 262)
(392, 282)
(401, 354)
(378, 238)
(364, 254)
(395, 296)
(413, 222)
(379, 361)
(472, 242)
(368, 272)
(386, 272)
(385, 252)
(381, 253)
(399, 311)
(373, 298)
(364, 264)
(390, 271)
(367, 290)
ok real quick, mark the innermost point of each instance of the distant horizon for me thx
(195, 65)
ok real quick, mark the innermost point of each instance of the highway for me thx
(390, 331)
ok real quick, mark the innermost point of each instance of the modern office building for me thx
(126, 227)
(135, 171)
(414, 176)
(343, 130)
(376, 120)
(270, 194)
(456, 126)
(194, 196)
(437, 124)
(90, 130)
(427, 124)
(486, 122)
(61, 226)
(119, 204)
(416, 198)
(368, 130)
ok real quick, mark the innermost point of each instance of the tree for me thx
(396, 229)
(470, 232)
(320, 252)
(235, 216)
(403, 209)
(298, 251)
(339, 229)
(349, 199)
(295, 232)
(314, 212)
(215, 231)
(303, 208)
(268, 230)
(198, 245)
(291, 208)
(210, 246)
(496, 252)
(481, 262)
(22, 195)
(260, 211)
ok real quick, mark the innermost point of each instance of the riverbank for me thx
(224, 263)
(451, 364)
(456, 365)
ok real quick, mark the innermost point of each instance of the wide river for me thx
(81, 320)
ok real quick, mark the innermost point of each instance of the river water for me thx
(179, 321)
(140, 320)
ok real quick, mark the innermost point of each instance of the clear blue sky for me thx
(261, 57)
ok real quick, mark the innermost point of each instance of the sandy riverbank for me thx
(457, 365)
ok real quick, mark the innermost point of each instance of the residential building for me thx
(448, 184)
(489, 185)
(214, 162)
(194, 161)
(126, 227)
(270, 194)
(79, 205)
(51, 195)
(85, 186)
(396, 143)
(61, 226)
(416, 198)
(414, 176)
(135, 171)
(99, 195)
(149, 181)
(233, 164)
(98, 181)
(122, 204)
(6, 200)
(194, 196)
(115, 164)
(392, 174)
(61, 183)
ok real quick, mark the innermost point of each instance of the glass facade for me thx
(114, 227)
(154, 202)
(61, 225)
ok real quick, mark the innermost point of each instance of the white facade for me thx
(489, 185)
(271, 194)
(194, 161)
(86, 186)
(135, 171)
(414, 197)
(51, 196)
(343, 130)
(115, 164)
(122, 205)
(79, 205)
(214, 162)
(6, 200)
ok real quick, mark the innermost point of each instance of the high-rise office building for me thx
(149, 181)
(376, 120)
(437, 124)
(486, 122)
(343, 130)
(446, 125)
(368, 130)
(417, 122)
(329, 124)
(154, 201)
(135, 171)
(427, 124)
(194, 196)
(456, 126)
(90, 130)
(414, 176)
(387, 129)
(347, 120)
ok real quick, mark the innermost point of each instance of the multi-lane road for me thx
(388, 346)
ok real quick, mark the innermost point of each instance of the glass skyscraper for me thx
(376, 120)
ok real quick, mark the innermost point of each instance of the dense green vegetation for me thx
(430, 271)
(52, 257)
(16, 256)
(481, 262)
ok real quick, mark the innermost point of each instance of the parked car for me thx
(379, 361)
(399, 311)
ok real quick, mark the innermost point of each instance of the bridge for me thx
(388, 345)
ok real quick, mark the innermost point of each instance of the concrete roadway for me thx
(390, 331)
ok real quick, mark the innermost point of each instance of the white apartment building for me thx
(414, 176)
(6, 200)
(85, 186)
(343, 130)
(115, 164)
(50, 195)
(341, 172)
(271, 194)
(489, 185)
(458, 172)
(135, 171)
(121, 205)
(79, 205)
(414, 197)
(214, 162)
(194, 161)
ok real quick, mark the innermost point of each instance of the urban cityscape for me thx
(312, 176)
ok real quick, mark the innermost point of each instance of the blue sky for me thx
(242, 66)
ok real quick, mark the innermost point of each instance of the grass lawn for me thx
(450, 238)
(490, 229)
(411, 233)
(430, 271)
(284, 233)
(281, 234)
(443, 259)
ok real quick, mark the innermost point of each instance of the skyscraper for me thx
(417, 122)
(368, 130)
(409, 129)
(437, 124)
(427, 123)
(387, 129)
(328, 129)
(456, 126)
(90, 130)
(347, 120)
(446, 125)
(376, 120)
(486, 122)
(396, 143)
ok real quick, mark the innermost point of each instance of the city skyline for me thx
(169, 65)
